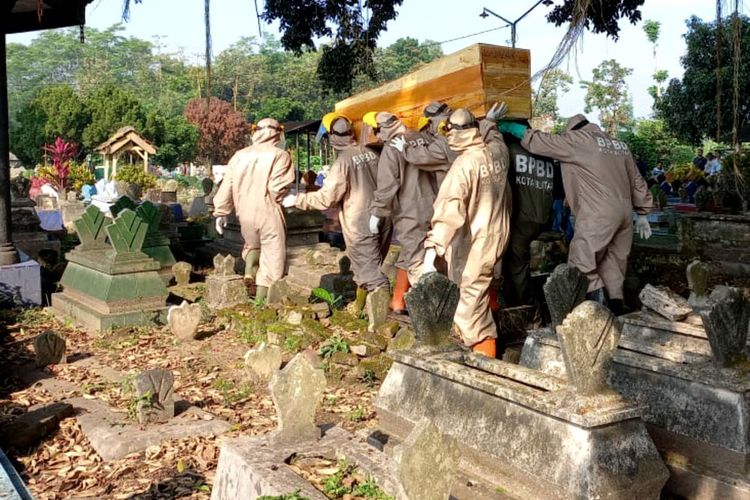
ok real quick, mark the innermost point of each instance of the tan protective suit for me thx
(472, 216)
(603, 187)
(253, 186)
(405, 194)
(351, 182)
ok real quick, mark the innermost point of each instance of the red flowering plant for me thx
(62, 153)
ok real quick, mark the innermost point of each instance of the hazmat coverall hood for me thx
(437, 113)
(603, 187)
(255, 182)
(404, 193)
(351, 182)
(472, 217)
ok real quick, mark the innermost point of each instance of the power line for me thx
(464, 37)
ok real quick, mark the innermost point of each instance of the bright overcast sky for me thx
(179, 26)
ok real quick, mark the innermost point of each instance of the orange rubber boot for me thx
(494, 303)
(398, 305)
(487, 347)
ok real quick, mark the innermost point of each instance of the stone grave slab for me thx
(108, 281)
(565, 288)
(376, 306)
(154, 390)
(225, 288)
(726, 318)
(665, 302)
(432, 304)
(49, 348)
(183, 320)
(263, 361)
(697, 277)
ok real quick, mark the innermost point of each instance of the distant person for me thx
(658, 170)
(642, 167)
(700, 161)
(664, 185)
(714, 165)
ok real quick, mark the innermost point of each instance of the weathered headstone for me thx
(297, 391)
(432, 304)
(426, 463)
(665, 302)
(565, 289)
(376, 305)
(122, 203)
(726, 322)
(262, 362)
(49, 348)
(181, 271)
(588, 339)
(697, 278)
(154, 390)
(278, 292)
(224, 288)
(184, 319)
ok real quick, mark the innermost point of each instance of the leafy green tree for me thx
(608, 92)
(111, 108)
(178, 142)
(688, 106)
(601, 16)
(403, 56)
(555, 83)
(27, 134)
(653, 142)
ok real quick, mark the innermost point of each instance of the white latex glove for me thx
(497, 112)
(643, 227)
(289, 201)
(429, 261)
(374, 223)
(221, 223)
(399, 143)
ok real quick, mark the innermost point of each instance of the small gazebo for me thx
(126, 141)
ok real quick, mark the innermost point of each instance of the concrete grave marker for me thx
(376, 306)
(697, 278)
(127, 233)
(297, 391)
(182, 272)
(278, 292)
(91, 229)
(565, 289)
(224, 265)
(432, 304)
(588, 339)
(224, 288)
(121, 204)
(426, 463)
(49, 349)
(665, 302)
(726, 322)
(154, 390)
(263, 361)
(184, 319)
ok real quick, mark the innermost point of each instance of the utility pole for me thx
(513, 24)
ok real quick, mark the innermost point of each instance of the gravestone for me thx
(426, 463)
(154, 390)
(665, 302)
(726, 322)
(376, 306)
(181, 271)
(183, 320)
(121, 204)
(297, 391)
(49, 349)
(109, 282)
(278, 293)
(588, 339)
(156, 244)
(432, 304)
(262, 362)
(224, 288)
(697, 278)
(565, 289)
(27, 233)
(169, 191)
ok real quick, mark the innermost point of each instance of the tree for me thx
(404, 56)
(554, 83)
(111, 108)
(688, 106)
(653, 142)
(222, 130)
(178, 142)
(602, 16)
(608, 92)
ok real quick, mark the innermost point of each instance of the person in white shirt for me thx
(714, 164)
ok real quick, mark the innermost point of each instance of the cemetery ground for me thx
(209, 373)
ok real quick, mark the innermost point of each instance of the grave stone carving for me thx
(49, 349)
(697, 278)
(181, 271)
(432, 305)
(665, 302)
(184, 319)
(297, 391)
(154, 390)
(588, 339)
(726, 322)
(262, 362)
(224, 288)
(565, 289)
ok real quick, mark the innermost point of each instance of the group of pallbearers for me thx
(462, 196)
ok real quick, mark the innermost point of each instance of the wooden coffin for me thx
(473, 78)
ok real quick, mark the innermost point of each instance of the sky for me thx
(177, 25)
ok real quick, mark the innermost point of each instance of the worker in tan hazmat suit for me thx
(406, 194)
(603, 188)
(434, 154)
(255, 183)
(351, 183)
(472, 218)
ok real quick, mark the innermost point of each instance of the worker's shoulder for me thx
(414, 138)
